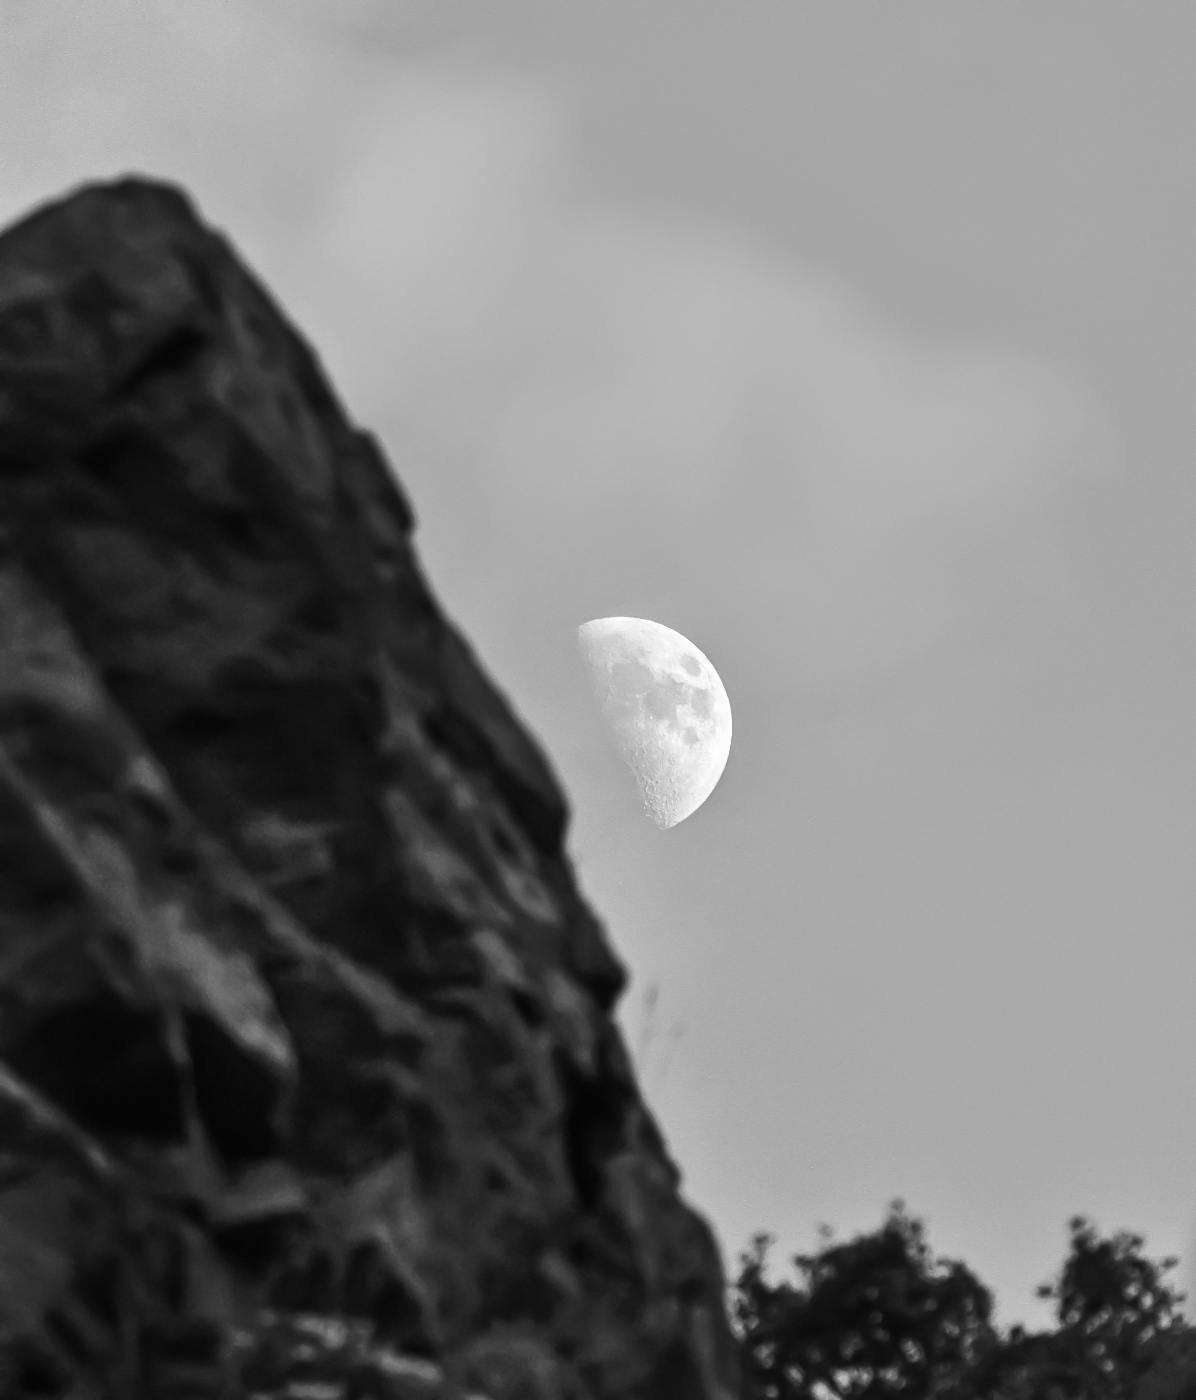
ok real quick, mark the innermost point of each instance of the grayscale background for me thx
(856, 343)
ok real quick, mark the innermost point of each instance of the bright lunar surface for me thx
(666, 710)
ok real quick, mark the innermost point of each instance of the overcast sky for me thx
(856, 343)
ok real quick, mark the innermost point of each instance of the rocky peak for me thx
(309, 1082)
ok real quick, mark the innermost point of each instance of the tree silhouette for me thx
(878, 1317)
(873, 1317)
(1172, 1372)
(1111, 1303)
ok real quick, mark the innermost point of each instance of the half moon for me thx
(665, 708)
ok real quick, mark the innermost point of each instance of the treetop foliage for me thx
(878, 1317)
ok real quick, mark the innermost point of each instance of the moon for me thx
(665, 708)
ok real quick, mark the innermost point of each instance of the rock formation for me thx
(309, 1082)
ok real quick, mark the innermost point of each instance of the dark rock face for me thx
(309, 1084)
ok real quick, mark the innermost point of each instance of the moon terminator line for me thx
(665, 708)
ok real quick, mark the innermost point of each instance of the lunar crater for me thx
(665, 708)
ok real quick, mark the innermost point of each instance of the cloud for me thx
(638, 396)
(639, 404)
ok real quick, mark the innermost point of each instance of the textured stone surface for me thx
(309, 1082)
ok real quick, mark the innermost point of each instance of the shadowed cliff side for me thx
(309, 1081)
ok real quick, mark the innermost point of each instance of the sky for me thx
(855, 343)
